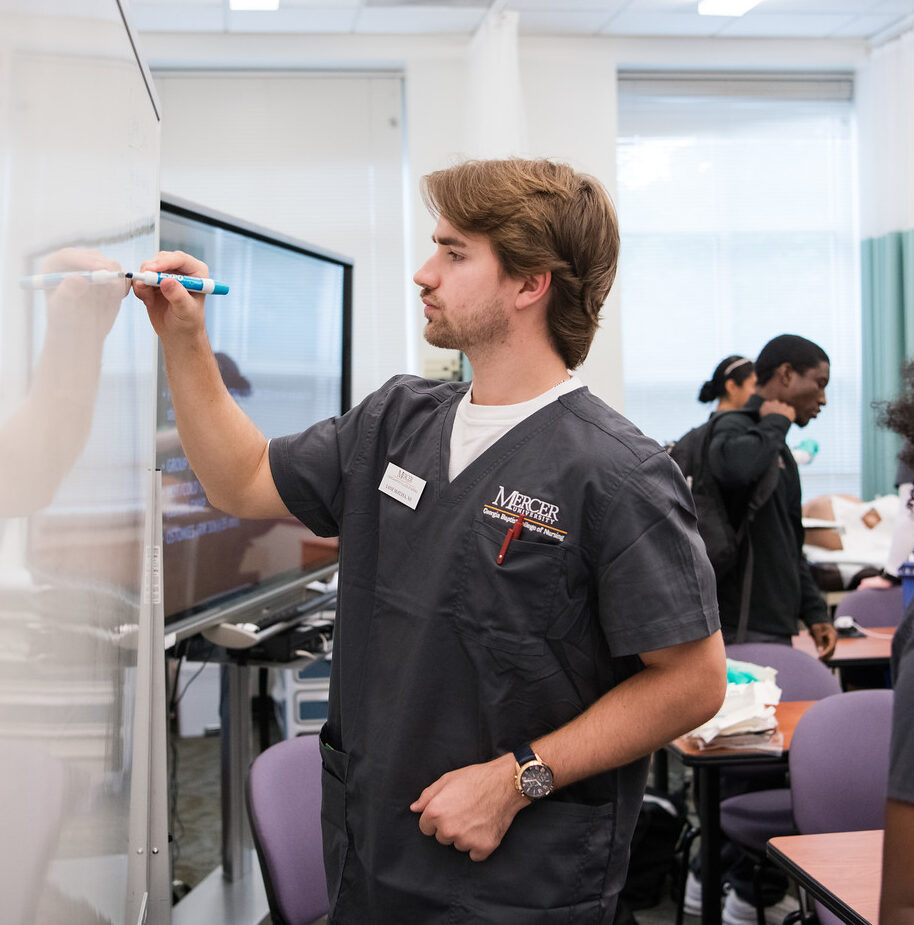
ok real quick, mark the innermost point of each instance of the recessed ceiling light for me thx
(726, 7)
(259, 5)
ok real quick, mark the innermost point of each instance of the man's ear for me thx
(533, 289)
(785, 373)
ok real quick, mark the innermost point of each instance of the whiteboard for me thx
(79, 151)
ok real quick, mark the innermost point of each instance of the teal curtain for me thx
(887, 278)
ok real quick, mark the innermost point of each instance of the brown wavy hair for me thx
(539, 215)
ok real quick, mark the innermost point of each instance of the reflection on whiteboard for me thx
(79, 176)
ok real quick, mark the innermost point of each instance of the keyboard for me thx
(296, 612)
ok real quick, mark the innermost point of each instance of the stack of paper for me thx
(746, 719)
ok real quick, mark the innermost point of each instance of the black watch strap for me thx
(523, 754)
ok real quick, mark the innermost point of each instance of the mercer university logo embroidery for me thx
(529, 507)
(540, 516)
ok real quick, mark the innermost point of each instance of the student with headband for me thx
(732, 384)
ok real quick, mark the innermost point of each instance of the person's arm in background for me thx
(739, 456)
(227, 452)
(902, 543)
(814, 613)
(903, 531)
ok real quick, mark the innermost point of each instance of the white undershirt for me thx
(477, 427)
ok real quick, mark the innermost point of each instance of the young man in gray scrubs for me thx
(526, 610)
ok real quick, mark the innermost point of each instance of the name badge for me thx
(402, 486)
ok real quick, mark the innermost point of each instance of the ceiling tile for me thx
(158, 16)
(148, 4)
(414, 20)
(294, 20)
(904, 7)
(865, 27)
(330, 5)
(675, 24)
(683, 7)
(758, 24)
(436, 4)
(562, 22)
(568, 6)
(792, 7)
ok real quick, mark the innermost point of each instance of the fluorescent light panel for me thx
(726, 7)
(263, 6)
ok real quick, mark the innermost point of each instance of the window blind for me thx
(736, 197)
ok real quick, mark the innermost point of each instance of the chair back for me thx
(800, 676)
(284, 807)
(839, 763)
(873, 606)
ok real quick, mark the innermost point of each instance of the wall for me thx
(568, 87)
(570, 100)
(314, 157)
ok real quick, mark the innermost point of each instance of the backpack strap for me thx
(764, 489)
(745, 594)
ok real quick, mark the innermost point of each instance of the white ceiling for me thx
(874, 20)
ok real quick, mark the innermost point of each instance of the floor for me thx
(196, 814)
(196, 825)
(196, 808)
(663, 914)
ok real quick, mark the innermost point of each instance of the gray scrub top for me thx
(443, 658)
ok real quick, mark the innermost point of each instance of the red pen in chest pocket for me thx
(513, 534)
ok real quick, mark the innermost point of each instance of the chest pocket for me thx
(508, 606)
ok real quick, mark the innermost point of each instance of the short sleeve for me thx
(311, 469)
(656, 586)
(306, 471)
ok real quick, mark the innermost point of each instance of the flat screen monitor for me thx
(282, 340)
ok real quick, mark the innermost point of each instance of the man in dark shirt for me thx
(792, 374)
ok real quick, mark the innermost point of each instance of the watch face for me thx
(536, 781)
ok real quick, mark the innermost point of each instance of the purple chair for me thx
(284, 807)
(839, 763)
(873, 606)
(839, 766)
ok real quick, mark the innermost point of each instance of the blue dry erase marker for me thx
(191, 283)
(98, 277)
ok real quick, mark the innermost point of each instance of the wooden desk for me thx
(706, 765)
(842, 870)
(853, 651)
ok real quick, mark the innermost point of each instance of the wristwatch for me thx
(532, 776)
